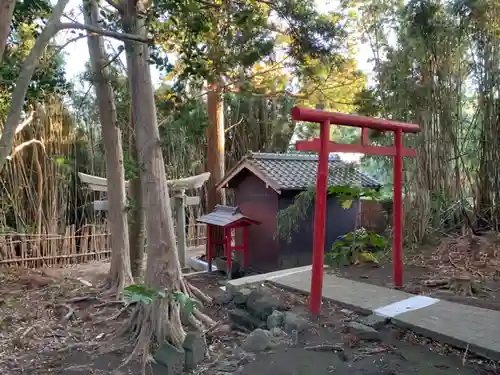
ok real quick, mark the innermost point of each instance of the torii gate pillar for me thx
(324, 146)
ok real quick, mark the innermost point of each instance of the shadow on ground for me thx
(404, 361)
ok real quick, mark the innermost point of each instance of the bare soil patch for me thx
(462, 269)
(60, 326)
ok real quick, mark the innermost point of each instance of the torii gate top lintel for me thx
(323, 145)
(96, 183)
(337, 118)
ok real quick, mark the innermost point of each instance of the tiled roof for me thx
(297, 171)
(225, 215)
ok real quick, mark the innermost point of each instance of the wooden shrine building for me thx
(266, 183)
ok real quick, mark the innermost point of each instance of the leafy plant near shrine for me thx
(289, 219)
(346, 194)
(135, 293)
(359, 246)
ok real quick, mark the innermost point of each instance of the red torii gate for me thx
(324, 146)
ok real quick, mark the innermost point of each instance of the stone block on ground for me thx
(262, 304)
(259, 340)
(277, 332)
(171, 358)
(227, 365)
(363, 332)
(220, 331)
(235, 360)
(293, 322)
(220, 263)
(240, 297)
(243, 319)
(195, 348)
(375, 321)
(347, 312)
(275, 320)
(223, 299)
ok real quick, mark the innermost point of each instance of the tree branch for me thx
(23, 145)
(276, 66)
(6, 14)
(26, 122)
(118, 5)
(24, 79)
(111, 34)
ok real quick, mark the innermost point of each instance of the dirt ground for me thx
(58, 325)
(456, 270)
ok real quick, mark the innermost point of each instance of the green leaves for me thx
(359, 246)
(346, 194)
(28, 20)
(140, 293)
(236, 35)
(290, 218)
(187, 303)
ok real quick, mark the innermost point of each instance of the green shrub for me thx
(359, 246)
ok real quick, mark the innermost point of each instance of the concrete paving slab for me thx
(260, 278)
(459, 325)
(467, 327)
(357, 296)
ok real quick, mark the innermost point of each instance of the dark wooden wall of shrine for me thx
(266, 252)
(259, 203)
(339, 221)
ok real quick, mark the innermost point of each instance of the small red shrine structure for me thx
(227, 218)
(324, 146)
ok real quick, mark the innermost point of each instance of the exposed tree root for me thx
(70, 311)
(108, 303)
(152, 325)
(81, 299)
(149, 326)
(435, 282)
(118, 278)
(205, 319)
(198, 293)
(196, 323)
(114, 316)
(462, 285)
(325, 348)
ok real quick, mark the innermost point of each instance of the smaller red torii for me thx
(227, 218)
(324, 146)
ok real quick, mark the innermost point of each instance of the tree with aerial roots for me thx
(152, 324)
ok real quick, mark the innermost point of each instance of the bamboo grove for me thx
(434, 62)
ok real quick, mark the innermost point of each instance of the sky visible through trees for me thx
(77, 54)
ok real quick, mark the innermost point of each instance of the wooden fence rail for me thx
(89, 243)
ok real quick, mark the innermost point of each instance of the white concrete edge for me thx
(405, 305)
(195, 273)
(238, 283)
(292, 271)
(199, 265)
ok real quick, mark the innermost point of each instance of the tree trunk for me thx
(24, 80)
(136, 217)
(6, 14)
(215, 142)
(215, 159)
(160, 320)
(120, 274)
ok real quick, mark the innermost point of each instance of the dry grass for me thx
(43, 318)
(462, 264)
